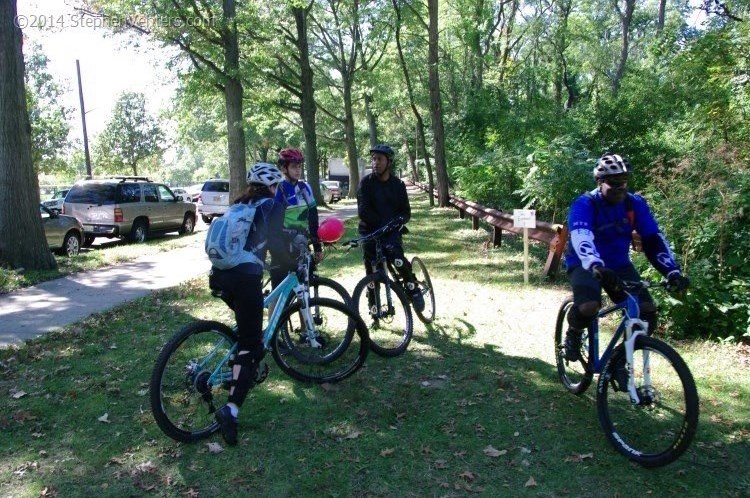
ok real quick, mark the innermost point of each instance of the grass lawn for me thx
(473, 408)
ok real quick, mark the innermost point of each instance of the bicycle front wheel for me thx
(660, 427)
(190, 380)
(575, 376)
(427, 315)
(328, 288)
(386, 311)
(338, 348)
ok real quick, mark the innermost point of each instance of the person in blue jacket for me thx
(601, 224)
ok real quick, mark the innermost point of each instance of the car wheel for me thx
(188, 224)
(71, 245)
(88, 240)
(139, 232)
(206, 219)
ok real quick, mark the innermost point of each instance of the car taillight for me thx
(118, 215)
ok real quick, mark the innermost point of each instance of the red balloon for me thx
(331, 230)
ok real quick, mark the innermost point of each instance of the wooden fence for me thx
(554, 235)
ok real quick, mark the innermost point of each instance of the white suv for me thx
(213, 200)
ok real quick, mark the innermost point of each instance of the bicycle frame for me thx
(631, 326)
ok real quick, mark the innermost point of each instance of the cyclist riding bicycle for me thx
(601, 224)
(301, 212)
(242, 289)
(381, 198)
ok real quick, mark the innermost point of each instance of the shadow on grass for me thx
(451, 416)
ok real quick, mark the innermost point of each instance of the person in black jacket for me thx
(382, 197)
(243, 291)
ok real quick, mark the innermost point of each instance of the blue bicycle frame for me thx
(631, 326)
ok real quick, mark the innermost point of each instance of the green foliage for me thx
(48, 116)
(130, 137)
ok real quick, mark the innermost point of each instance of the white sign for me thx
(524, 218)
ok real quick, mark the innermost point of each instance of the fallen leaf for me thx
(143, 392)
(440, 464)
(494, 452)
(18, 394)
(214, 448)
(104, 418)
(387, 452)
(353, 435)
(467, 475)
(530, 483)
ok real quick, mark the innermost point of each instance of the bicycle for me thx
(647, 400)
(191, 375)
(388, 297)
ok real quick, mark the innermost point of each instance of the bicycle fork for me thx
(633, 328)
(303, 296)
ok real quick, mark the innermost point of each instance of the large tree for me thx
(130, 136)
(22, 241)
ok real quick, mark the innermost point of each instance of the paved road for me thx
(52, 305)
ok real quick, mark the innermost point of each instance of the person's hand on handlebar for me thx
(607, 277)
(677, 282)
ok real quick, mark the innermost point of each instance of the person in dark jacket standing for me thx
(382, 197)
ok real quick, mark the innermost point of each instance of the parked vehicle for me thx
(194, 191)
(131, 207)
(55, 202)
(64, 233)
(335, 187)
(326, 193)
(213, 200)
(181, 194)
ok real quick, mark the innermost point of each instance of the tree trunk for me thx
(662, 15)
(412, 163)
(420, 145)
(307, 102)
(436, 108)
(625, 17)
(351, 144)
(22, 240)
(372, 120)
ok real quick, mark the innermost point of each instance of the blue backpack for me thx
(227, 236)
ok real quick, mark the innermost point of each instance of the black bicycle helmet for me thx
(610, 165)
(384, 149)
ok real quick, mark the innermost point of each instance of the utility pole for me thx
(83, 119)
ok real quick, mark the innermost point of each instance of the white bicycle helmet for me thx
(611, 164)
(264, 174)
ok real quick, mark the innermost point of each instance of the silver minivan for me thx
(131, 207)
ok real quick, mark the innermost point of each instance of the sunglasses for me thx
(616, 182)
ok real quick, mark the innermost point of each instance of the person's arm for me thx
(405, 211)
(655, 245)
(581, 224)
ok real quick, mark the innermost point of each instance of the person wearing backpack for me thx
(300, 214)
(601, 224)
(241, 283)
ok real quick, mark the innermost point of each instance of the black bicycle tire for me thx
(688, 427)
(415, 261)
(570, 385)
(359, 327)
(402, 300)
(317, 280)
(161, 417)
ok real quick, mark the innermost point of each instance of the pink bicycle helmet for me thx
(331, 230)
(291, 156)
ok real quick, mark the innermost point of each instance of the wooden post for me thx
(497, 238)
(525, 255)
(475, 222)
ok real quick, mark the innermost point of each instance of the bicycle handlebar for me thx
(392, 226)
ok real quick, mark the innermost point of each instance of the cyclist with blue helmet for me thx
(381, 198)
(601, 224)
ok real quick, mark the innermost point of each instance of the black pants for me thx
(394, 252)
(244, 294)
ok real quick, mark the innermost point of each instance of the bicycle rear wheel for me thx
(427, 315)
(341, 337)
(658, 429)
(575, 376)
(328, 288)
(190, 380)
(385, 307)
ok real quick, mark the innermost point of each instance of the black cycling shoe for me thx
(573, 344)
(227, 424)
(417, 300)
